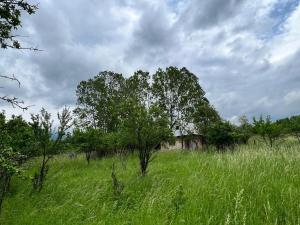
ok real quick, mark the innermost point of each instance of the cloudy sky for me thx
(246, 53)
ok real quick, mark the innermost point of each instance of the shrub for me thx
(221, 135)
(88, 141)
(268, 130)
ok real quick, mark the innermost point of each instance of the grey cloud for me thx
(272, 91)
(204, 14)
(154, 37)
(68, 34)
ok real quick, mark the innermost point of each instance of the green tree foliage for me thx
(9, 158)
(143, 129)
(294, 126)
(290, 126)
(176, 91)
(179, 94)
(110, 143)
(88, 141)
(244, 131)
(42, 126)
(8, 167)
(138, 87)
(268, 130)
(221, 134)
(4, 136)
(204, 116)
(21, 136)
(10, 20)
(98, 100)
(137, 114)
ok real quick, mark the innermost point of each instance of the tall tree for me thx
(138, 87)
(143, 129)
(178, 93)
(98, 100)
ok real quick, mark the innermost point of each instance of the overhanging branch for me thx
(14, 101)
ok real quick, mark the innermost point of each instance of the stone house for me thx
(186, 138)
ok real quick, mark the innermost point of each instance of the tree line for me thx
(123, 111)
(117, 115)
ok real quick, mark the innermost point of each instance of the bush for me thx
(221, 135)
(88, 141)
(268, 130)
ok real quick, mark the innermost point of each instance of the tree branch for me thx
(13, 78)
(14, 101)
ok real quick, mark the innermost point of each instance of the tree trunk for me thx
(40, 180)
(88, 156)
(39, 177)
(4, 186)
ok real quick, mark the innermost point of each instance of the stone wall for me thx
(195, 143)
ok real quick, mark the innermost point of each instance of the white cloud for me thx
(292, 97)
(288, 42)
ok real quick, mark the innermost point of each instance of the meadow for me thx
(251, 185)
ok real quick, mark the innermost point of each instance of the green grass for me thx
(253, 185)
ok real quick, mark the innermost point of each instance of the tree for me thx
(8, 168)
(138, 87)
(176, 91)
(204, 117)
(21, 136)
(294, 126)
(178, 94)
(9, 159)
(45, 141)
(98, 100)
(13, 101)
(10, 20)
(110, 142)
(88, 140)
(221, 134)
(290, 126)
(143, 129)
(244, 131)
(267, 129)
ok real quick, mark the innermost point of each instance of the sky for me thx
(245, 53)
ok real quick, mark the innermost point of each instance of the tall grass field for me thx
(251, 185)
